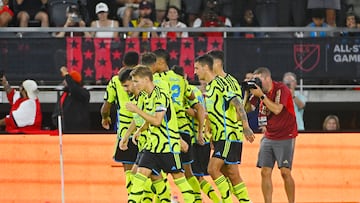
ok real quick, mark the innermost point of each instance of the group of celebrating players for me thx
(166, 126)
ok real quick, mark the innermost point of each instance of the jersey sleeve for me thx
(161, 103)
(110, 93)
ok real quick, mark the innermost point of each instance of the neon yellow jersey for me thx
(224, 125)
(194, 122)
(141, 102)
(234, 86)
(179, 90)
(115, 94)
(164, 138)
(158, 81)
(134, 23)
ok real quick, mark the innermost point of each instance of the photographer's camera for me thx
(251, 84)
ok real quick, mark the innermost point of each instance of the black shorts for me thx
(168, 162)
(186, 157)
(230, 152)
(128, 156)
(201, 156)
(138, 157)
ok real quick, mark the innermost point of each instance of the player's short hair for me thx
(124, 74)
(142, 72)
(217, 54)
(148, 59)
(162, 53)
(205, 59)
(131, 59)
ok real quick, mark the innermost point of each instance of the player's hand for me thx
(135, 137)
(200, 139)
(184, 146)
(123, 144)
(249, 134)
(105, 122)
(131, 107)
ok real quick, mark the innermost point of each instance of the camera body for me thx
(247, 85)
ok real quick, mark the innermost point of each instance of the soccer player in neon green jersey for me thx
(179, 91)
(233, 84)
(139, 98)
(224, 128)
(115, 94)
(163, 147)
(218, 57)
(149, 59)
(201, 153)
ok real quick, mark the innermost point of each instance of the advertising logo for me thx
(306, 56)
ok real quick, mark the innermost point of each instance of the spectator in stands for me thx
(73, 20)
(25, 114)
(248, 20)
(161, 7)
(73, 103)
(172, 21)
(127, 11)
(145, 20)
(330, 5)
(354, 5)
(318, 20)
(6, 14)
(211, 18)
(331, 123)
(351, 22)
(102, 12)
(32, 10)
(289, 79)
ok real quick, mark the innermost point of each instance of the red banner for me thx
(99, 59)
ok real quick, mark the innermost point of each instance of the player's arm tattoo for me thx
(240, 110)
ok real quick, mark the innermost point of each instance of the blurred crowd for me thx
(179, 14)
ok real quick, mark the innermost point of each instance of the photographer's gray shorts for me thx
(281, 151)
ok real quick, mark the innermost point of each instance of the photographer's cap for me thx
(101, 7)
(145, 5)
(31, 88)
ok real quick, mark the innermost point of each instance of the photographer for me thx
(278, 123)
(25, 113)
(73, 20)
